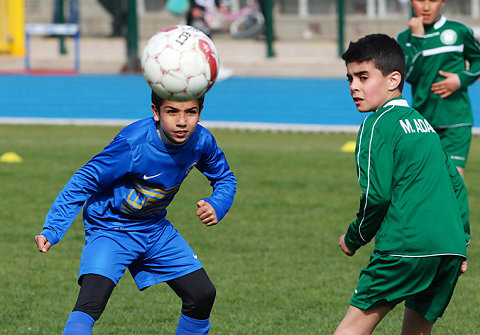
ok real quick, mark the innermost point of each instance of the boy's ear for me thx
(156, 113)
(395, 79)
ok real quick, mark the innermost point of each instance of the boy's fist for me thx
(42, 243)
(206, 213)
(416, 26)
(343, 246)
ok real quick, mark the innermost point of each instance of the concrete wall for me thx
(152, 16)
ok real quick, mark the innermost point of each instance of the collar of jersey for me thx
(440, 22)
(397, 102)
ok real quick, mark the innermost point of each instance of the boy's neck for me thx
(397, 95)
(164, 137)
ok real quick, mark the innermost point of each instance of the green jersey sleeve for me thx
(413, 46)
(471, 53)
(461, 194)
(374, 166)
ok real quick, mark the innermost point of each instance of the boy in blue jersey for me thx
(125, 190)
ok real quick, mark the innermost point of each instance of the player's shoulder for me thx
(456, 25)
(403, 34)
(203, 136)
(139, 124)
(402, 120)
(203, 132)
(138, 132)
(384, 119)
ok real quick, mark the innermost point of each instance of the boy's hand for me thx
(463, 269)
(446, 87)
(196, 12)
(416, 26)
(341, 243)
(206, 213)
(42, 243)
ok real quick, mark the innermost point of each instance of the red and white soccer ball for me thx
(180, 63)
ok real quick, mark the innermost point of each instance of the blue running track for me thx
(290, 101)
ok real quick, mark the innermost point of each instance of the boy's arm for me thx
(412, 46)
(462, 196)
(99, 173)
(454, 81)
(215, 167)
(375, 162)
(471, 53)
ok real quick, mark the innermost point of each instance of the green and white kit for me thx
(415, 204)
(446, 45)
(408, 202)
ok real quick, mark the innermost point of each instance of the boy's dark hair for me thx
(385, 53)
(158, 101)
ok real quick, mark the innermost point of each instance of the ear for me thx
(200, 113)
(156, 113)
(394, 80)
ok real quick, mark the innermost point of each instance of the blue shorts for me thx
(151, 257)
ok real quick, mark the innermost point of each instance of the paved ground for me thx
(245, 57)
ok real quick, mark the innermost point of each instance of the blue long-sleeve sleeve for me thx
(222, 179)
(98, 174)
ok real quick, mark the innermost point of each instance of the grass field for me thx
(274, 259)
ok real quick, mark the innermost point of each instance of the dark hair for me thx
(158, 101)
(385, 53)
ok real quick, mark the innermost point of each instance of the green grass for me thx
(274, 259)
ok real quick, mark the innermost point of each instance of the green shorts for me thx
(426, 284)
(456, 142)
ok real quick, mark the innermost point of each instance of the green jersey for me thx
(414, 201)
(446, 45)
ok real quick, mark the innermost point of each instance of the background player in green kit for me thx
(414, 201)
(436, 50)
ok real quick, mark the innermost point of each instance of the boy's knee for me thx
(197, 293)
(94, 294)
(207, 297)
(200, 303)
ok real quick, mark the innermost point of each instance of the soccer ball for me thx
(180, 63)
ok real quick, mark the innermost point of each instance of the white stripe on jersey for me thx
(442, 50)
(424, 256)
(368, 168)
(359, 146)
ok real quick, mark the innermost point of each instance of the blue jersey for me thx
(131, 182)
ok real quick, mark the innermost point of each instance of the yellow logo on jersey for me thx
(144, 200)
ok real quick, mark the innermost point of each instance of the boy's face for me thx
(177, 119)
(429, 10)
(369, 88)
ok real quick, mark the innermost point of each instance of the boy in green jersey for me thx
(436, 50)
(414, 201)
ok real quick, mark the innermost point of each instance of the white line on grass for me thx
(209, 124)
